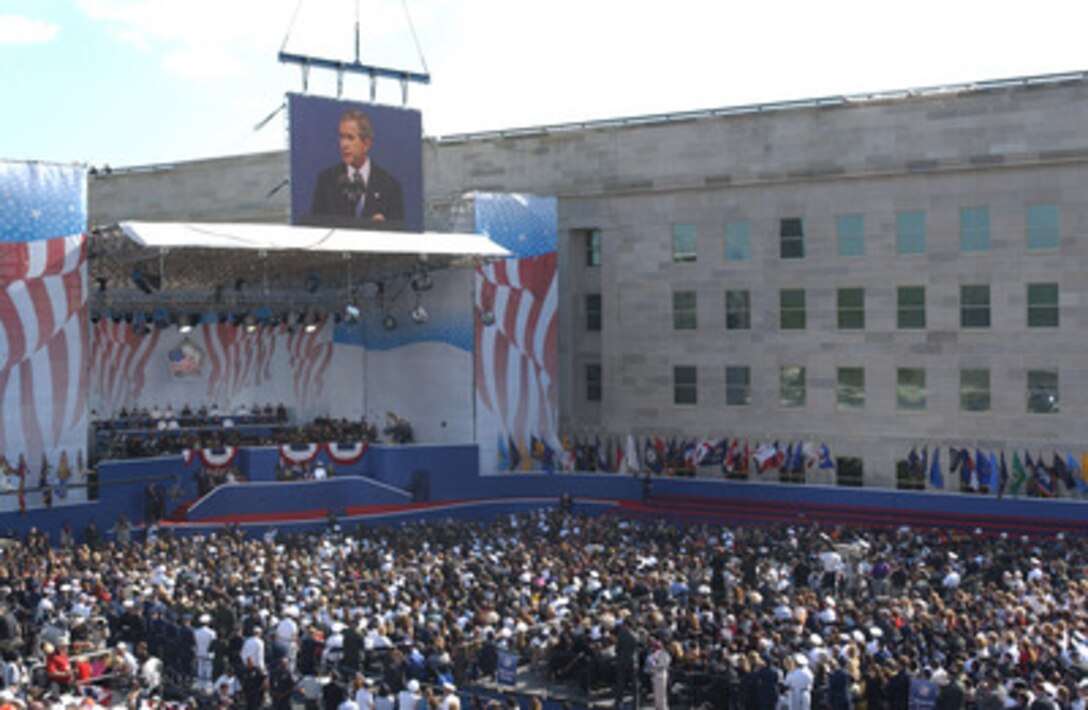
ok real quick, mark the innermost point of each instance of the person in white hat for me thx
(798, 684)
(409, 698)
(203, 639)
(657, 665)
(450, 699)
(253, 650)
(287, 634)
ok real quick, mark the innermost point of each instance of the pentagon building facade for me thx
(878, 273)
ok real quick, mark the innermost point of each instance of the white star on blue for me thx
(41, 201)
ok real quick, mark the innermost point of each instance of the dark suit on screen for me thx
(383, 196)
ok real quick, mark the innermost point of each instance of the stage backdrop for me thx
(421, 372)
(43, 315)
(217, 364)
(321, 191)
(516, 327)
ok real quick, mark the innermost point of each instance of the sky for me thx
(143, 82)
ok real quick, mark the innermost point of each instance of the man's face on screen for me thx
(353, 147)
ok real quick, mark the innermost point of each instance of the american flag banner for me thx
(43, 310)
(239, 361)
(309, 355)
(517, 322)
(118, 363)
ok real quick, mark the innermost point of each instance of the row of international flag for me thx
(1064, 475)
(657, 455)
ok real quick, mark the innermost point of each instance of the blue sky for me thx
(134, 82)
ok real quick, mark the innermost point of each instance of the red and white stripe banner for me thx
(309, 355)
(218, 458)
(346, 454)
(517, 357)
(43, 341)
(298, 454)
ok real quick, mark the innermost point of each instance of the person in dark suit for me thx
(356, 189)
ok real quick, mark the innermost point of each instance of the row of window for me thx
(850, 387)
(1042, 232)
(910, 314)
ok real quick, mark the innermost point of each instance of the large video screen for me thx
(355, 165)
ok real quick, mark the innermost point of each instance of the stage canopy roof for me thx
(217, 266)
(278, 237)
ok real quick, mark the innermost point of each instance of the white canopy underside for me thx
(280, 237)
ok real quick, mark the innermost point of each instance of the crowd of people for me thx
(756, 617)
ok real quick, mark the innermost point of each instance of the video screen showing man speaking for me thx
(355, 165)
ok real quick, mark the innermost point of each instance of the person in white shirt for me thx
(408, 699)
(450, 699)
(203, 638)
(798, 684)
(227, 686)
(364, 698)
(253, 650)
(657, 665)
(287, 634)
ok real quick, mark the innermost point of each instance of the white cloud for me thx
(16, 29)
(203, 64)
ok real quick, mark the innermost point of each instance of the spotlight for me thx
(487, 317)
(251, 323)
(352, 313)
(419, 315)
(389, 322)
(185, 325)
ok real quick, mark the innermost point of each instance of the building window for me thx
(593, 311)
(910, 310)
(683, 310)
(738, 386)
(593, 247)
(791, 309)
(851, 308)
(684, 385)
(974, 229)
(975, 390)
(1043, 392)
(910, 232)
(683, 242)
(910, 389)
(791, 387)
(849, 471)
(738, 241)
(850, 388)
(975, 306)
(738, 310)
(1044, 227)
(850, 235)
(594, 382)
(791, 238)
(1042, 305)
